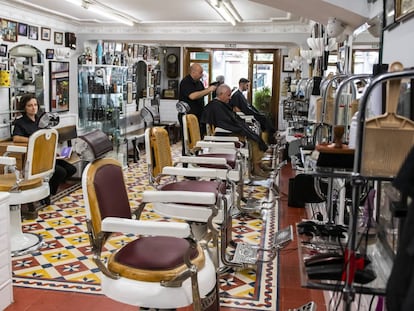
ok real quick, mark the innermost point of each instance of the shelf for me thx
(381, 264)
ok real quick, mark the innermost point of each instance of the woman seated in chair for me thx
(24, 126)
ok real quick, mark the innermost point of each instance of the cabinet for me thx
(6, 285)
(102, 98)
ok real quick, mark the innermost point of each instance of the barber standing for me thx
(192, 92)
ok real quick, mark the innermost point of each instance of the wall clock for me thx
(172, 66)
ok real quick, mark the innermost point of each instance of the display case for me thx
(102, 98)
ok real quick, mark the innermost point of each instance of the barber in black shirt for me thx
(192, 92)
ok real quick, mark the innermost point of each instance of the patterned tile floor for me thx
(64, 264)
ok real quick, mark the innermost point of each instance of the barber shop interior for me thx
(206, 155)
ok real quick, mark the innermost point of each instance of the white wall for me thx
(399, 45)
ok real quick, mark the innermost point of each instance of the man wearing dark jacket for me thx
(219, 113)
(239, 103)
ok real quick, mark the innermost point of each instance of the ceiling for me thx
(264, 22)
(161, 11)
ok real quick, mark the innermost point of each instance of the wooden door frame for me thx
(277, 61)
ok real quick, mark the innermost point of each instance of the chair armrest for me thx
(221, 138)
(8, 161)
(185, 197)
(212, 144)
(17, 149)
(190, 172)
(202, 160)
(125, 225)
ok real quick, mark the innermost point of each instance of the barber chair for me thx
(29, 185)
(164, 267)
(160, 166)
(236, 155)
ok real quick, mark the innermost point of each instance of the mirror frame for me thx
(59, 86)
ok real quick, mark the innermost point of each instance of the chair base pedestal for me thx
(21, 243)
(25, 243)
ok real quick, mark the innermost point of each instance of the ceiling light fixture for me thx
(226, 10)
(97, 8)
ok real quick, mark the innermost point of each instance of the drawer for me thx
(4, 229)
(4, 211)
(6, 295)
(5, 268)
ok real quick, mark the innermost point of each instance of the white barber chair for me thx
(165, 267)
(160, 167)
(236, 155)
(30, 185)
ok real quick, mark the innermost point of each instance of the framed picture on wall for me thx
(22, 30)
(286, 65)
(50, 53)
(9, 30)
(45, 34)
(3, 50)
(58, 39)
(404, 9)
(33, 32)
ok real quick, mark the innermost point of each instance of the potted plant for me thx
(262, 98)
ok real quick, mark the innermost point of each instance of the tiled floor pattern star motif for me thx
(64, 262)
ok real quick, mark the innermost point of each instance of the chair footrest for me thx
(245, 254)
(283, 236)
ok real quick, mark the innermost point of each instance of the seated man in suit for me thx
(219, 113)
(239, 103)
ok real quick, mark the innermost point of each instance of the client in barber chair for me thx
(239, 103)
(24, 126)
(219, 113)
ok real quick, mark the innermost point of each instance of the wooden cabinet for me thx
(6, 286)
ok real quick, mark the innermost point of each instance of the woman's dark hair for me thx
(23, 101)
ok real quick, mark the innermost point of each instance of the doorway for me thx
(261, 67)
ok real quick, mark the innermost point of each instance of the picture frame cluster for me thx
(11, 30)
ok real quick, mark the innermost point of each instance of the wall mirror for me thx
(26, 73)
(59, 86)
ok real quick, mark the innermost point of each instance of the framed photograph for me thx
(45, 34)
(33, 32)
(58, 39)
(3, 50)
(286, 65)
(404, 9)
(50, 53)
(22, 29)
(9, 30)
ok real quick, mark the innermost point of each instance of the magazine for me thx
(65, 153)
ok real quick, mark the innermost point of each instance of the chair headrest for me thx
(182, 107)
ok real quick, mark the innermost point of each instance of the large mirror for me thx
(59, 86)
(26, 73)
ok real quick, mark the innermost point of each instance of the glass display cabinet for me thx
(102, 98)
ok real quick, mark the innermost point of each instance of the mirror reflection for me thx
(59, 86)
(26, 73)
